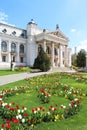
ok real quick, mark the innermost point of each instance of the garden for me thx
(54, 101)
(17, 70)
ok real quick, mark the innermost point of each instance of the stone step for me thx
(62, 69)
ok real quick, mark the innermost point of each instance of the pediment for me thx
(58, 34)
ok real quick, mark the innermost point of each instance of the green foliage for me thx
(8, 72)
(74, 67)
(74, 60)
(81, 58)
(22, 69)
(42, 61)
(44, 96)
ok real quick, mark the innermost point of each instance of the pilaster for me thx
(9, 51)
(69, 57)
(18, 51)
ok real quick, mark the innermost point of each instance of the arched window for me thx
(55, 51)
(13, 47)
(48, 50)
(21, 48)
(4, 46)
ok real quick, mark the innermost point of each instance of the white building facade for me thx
(21, 46)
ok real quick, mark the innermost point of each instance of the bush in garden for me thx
(22, 68)
(42, 61)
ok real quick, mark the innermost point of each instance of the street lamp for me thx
(11, 64)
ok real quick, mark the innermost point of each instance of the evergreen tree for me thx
(42, 61)
(81, 58)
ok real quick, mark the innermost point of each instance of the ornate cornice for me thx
(12, 37)
(50, 37)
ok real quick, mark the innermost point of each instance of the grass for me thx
(8, 72)
(16, 71)
(30, 100)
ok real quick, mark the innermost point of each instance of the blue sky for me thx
(70, 15)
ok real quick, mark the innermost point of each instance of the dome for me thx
(32, 22)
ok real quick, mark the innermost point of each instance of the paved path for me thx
(15, 77)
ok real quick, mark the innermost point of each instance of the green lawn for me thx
(8, 72)
(16, 71)
(31, 100)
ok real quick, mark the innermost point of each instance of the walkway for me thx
(15, 77)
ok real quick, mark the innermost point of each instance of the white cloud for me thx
(3, 17)
(73, 30)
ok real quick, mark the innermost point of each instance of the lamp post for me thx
(11, 64)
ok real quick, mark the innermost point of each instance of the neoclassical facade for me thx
(21, 46)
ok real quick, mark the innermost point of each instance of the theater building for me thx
(21, 45)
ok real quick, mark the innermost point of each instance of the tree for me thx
(81, 58)
(74, 60)
(42, 61)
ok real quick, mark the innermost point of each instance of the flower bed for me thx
(16, 117)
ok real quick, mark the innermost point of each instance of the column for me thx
(69, 57)
(66, 57)
(60, 56)
(52, 54)
(9, 51)
(44, 45)
(17, 49)
(0, 52)
(25, 53)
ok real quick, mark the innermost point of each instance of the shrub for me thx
(42, 61)
(24, 69)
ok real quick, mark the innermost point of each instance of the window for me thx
(23, 34)
(21, 59)
(48, 50)
(13, 32)
(13, 47)
(21, 48)
(3, 58)
(4, 30)
(4, 46)
(55, 51)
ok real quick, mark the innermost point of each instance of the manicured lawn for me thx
(8, 72)
(16, 71)
(50, 83)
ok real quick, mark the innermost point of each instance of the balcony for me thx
(21, 54)
(4, 52)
